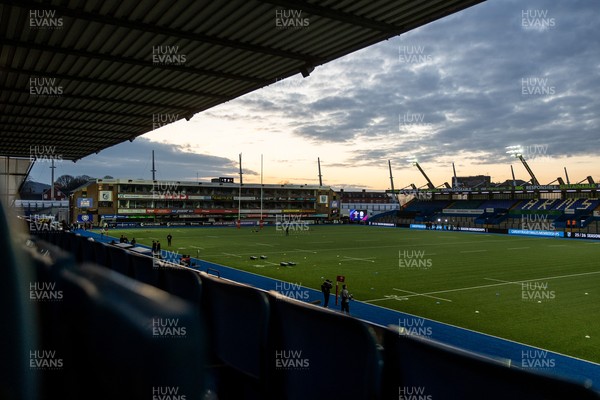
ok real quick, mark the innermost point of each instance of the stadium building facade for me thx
(128, 203)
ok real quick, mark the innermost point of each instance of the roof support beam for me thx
(95, 81)
(130, 61)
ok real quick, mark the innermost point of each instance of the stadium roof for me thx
(84, 76)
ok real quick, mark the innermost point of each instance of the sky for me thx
(460, 89)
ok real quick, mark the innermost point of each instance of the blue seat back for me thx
(183, 282)
(19, 326)
(419, 367)
(237, 317)
(317, 353)
(142, 340)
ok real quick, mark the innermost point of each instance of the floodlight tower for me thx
(517, 151)
(455, 181)
(512, 171)
(394, 195)
(415, 163)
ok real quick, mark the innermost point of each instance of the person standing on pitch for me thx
(326, 289)
(169, 237)
(346, 296)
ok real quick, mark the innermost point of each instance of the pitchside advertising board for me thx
(440, 227)
(582, 235)
(528, 232)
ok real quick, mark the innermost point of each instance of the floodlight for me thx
(516, 151)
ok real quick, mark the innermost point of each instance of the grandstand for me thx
(127, 202)
(572, 209)
(89, 319)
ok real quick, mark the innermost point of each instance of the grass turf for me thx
(445, 276)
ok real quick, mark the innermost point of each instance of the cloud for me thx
(134, 160)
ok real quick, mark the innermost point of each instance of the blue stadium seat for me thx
(317, 353)
(237, 316)
(19, 326)
(119, 260)
(100, 253)
(142, 341)
(144, 270)
(416, 366)
(48, 260)
(183, 282)
(78, 246)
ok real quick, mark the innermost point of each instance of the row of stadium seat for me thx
(507, 213)
(261, 345)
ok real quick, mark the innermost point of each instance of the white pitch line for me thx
(557, 245)
(196, 247)
(358, 259)
(374, 300)
(264, 244)
(214, 237)
(419, 294)
(518, 248)
(306, 251)
(234, 255)
(507, 283)
(473, 251)
(500, 280)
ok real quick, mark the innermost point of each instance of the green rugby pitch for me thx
(537, 291)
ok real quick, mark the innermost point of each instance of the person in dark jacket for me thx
(326, 289)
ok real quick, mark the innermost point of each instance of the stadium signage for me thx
(583, 235)
(105, 195)
(417, 226)
(85, 202)
(528, 232)
(381, 224)
(222, 197)
(581, 186)
(134, 196)
(505, 189)
(131, 211)
(83, 218)
(462, 211)
(215, 211)
(467, 229)
(542, 187)
(158, 211)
